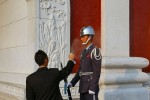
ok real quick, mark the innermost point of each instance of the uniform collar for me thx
(89, 46)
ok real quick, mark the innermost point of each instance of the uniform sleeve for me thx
(29, 91)
(96, 64)
(66, 70)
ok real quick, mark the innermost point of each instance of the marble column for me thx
(121, 77)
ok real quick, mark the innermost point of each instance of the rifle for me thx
(66, 88)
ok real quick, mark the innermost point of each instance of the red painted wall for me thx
(84, 13)
(140, 29)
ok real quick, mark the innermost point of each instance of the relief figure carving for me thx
(53, 42)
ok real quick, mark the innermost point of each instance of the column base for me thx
(136, 93)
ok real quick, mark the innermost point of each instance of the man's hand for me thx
(71, 56)
(91, 92)
(69, 85)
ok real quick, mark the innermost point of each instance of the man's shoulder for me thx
(31, 75)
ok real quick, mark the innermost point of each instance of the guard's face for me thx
(84, 38)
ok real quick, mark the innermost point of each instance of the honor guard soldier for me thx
(90, 67)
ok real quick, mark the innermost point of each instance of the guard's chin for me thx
(83, 43)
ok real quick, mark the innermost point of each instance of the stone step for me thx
(4, 96)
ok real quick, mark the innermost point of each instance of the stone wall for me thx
(17, 43)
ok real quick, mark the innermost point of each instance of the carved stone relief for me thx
(54, 35)
(74, 92)
(53, 31)
(56, 8)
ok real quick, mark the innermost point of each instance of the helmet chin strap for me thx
(87, 41)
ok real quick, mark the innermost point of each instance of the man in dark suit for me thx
(44, 83)
(90, 67)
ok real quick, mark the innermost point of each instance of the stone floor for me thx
(4, 96)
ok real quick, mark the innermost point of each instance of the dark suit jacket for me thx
(88, 64)
(44, 83)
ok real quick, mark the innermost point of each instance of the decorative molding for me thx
(124, 62)
(15, 90)
(123, 70)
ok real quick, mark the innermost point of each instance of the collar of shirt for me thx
(42, 66)
(42, 69)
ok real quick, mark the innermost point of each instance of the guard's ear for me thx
(90, 37)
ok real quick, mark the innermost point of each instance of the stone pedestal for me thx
(122, 79)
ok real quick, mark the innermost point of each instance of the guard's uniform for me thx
(88, 73)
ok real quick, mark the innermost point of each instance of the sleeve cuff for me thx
(73, 61)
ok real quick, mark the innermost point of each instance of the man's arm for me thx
(75, 79)
(67, 70)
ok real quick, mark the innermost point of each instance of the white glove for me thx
(69, 85)
(91, 92)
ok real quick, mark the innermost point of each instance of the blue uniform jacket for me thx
(88, 64)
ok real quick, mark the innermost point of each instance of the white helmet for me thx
(88, 30)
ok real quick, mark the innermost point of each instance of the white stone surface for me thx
(2, 1)
(123, 70)
(121, 77)
(9, 12)
(125, 94)
(33, 8)
(33, 21)
(17, 41)
(17, 78)
(17, 59)
(4, 96)
(14, 35)
(124, 78)
(115, 27)
(110, 62)
(54, 37)
(9, 91)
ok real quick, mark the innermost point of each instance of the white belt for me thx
(85, 73)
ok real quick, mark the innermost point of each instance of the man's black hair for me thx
(40, 57)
